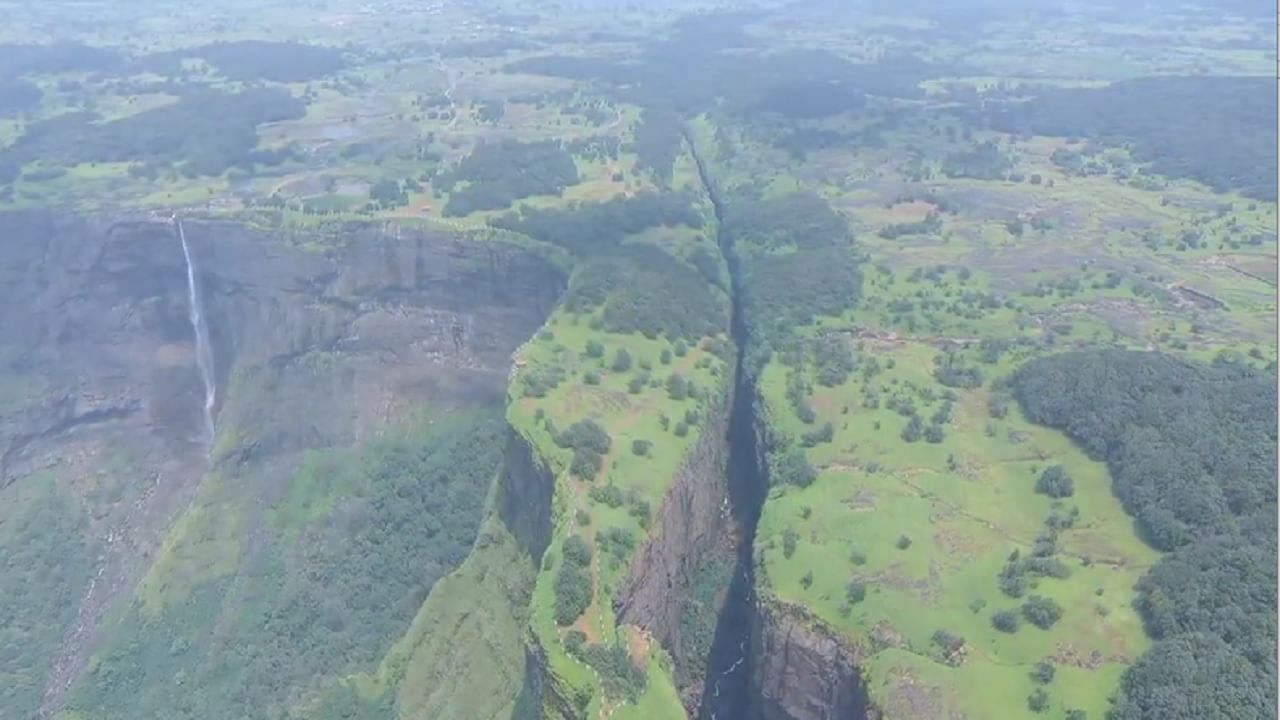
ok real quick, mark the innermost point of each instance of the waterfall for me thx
(204, 351)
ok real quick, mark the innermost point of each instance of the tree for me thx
(1041, 611)
(856, 591)
(1038, 700)
(903, 542)
(913, 430)
(1005, 621)
(641, 447)
(1043, 673)
(1055, 482)
(622, 360)
(676, 386)
(794, 469)
(594, 349)
(789, 538)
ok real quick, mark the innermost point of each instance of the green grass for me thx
(966, 504)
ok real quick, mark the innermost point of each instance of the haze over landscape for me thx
(602, 360)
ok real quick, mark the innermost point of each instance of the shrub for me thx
(622, 360)
(682, 429)
(641, 447)
(665, 357)
(591, 377)
(903, 542)
(594, 349)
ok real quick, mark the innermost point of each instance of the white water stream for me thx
(204, 351)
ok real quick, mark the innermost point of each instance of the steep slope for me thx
(321, 341)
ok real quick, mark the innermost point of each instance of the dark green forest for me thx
(1228, 142)
(205, 133)
(326, 596)
(498, 174)
(1192, 454)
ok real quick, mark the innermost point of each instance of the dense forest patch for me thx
(1192, 453)
(1228, 142)
(22, 59)
(645, 290)
(352, 551)
(18, 96)
(597, 227)
(498, 174)
(255, 60)
(204, 133)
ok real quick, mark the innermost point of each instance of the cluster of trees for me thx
(643, 289)
(619, 677)
(206, 132)
(777, 302)
(931, 224)
(498, 174)
(1227, 143)
(48, 563)
(590, 443)
(18, 59)
(658, 139)
(1192, 453)
(255, 60)
(572, 585)
(330, 591)
(595, 227)
(984, 161)
(801, 220)
(18, 96)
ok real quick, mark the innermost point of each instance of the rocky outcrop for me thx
(692, 526)
(319, 339)
(525, 493)
(801, 670)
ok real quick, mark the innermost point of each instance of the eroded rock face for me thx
(801, 671)
(692, 525)
(318, 341)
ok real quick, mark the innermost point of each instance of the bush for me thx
(591, 377)
(1005, 621)
(1041, 611)
(622, 360)
(903, 542)
(682, 429)
(1055, 482)
(594, 349)
(934, 434)
(641, 447)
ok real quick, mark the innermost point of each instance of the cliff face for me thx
(318, 341)
(693, 529)
(801, 671)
